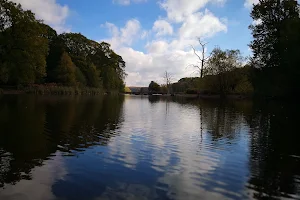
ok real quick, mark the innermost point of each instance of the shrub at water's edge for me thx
(63, 90)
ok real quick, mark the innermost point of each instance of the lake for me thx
(140, 147)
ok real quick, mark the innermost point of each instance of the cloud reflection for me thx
(40, 187)
(178, 152)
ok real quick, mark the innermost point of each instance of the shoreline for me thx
(200, 96)
(55, 91)
(11, 92)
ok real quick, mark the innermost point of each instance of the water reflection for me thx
(139, 147)
(34, 128)
(40, 187)
(275, 152)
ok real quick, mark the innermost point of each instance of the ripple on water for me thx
(140, 148)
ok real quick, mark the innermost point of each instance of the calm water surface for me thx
(136, 147)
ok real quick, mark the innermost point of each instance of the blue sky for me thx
(152, 36)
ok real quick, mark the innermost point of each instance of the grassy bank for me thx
(61, 90)
(52, 90)
(215, 96)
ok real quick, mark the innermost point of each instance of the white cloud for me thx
(113, 29)
(172, 52)
(50, 11)
(249, 3)
(201, 25)
(162, 27)
(122, 2)
(256, 22)
(178, 10)
(127, 2)
(143, 68)
(131, 29)
(123, 36)
(145, 34)
(157, 47)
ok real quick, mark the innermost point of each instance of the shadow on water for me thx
(275, 151)
(116, 147)
(34, 128)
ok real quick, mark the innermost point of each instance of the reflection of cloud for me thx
(128, 191)
(163, 142)
(182, 187)
(40, 187)
(5, 158)
(122, 151)
(170, 143)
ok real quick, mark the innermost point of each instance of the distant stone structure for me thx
(135, 90)
(144, 91)
(139, 90)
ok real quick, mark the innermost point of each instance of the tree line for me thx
(32, 52)
(271, 71)
(224, 73)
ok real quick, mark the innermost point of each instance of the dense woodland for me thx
(273, 69)
(32, 53)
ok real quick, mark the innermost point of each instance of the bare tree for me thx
(202, 58)
(168, 79)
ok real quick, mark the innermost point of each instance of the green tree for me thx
(164, 89)
(22, 53)
(105, 63)
(221, 65)
(241, 80)
(31, 51)
(112, 68)
(65, 71)
(127, 90)
(80, 78)
(154, 87)
(93, 78)
(56, 49)
(276, 47)
(185, 84)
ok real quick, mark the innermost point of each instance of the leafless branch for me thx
(168, 79)
(203, 60)
(194, 72)
(208, 57)
(194, 66)
(196, 53)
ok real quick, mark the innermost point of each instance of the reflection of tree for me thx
(274, 146)
(33, 128)
(78, 125)
(22, 123)
(220, 120)
(154, 99)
